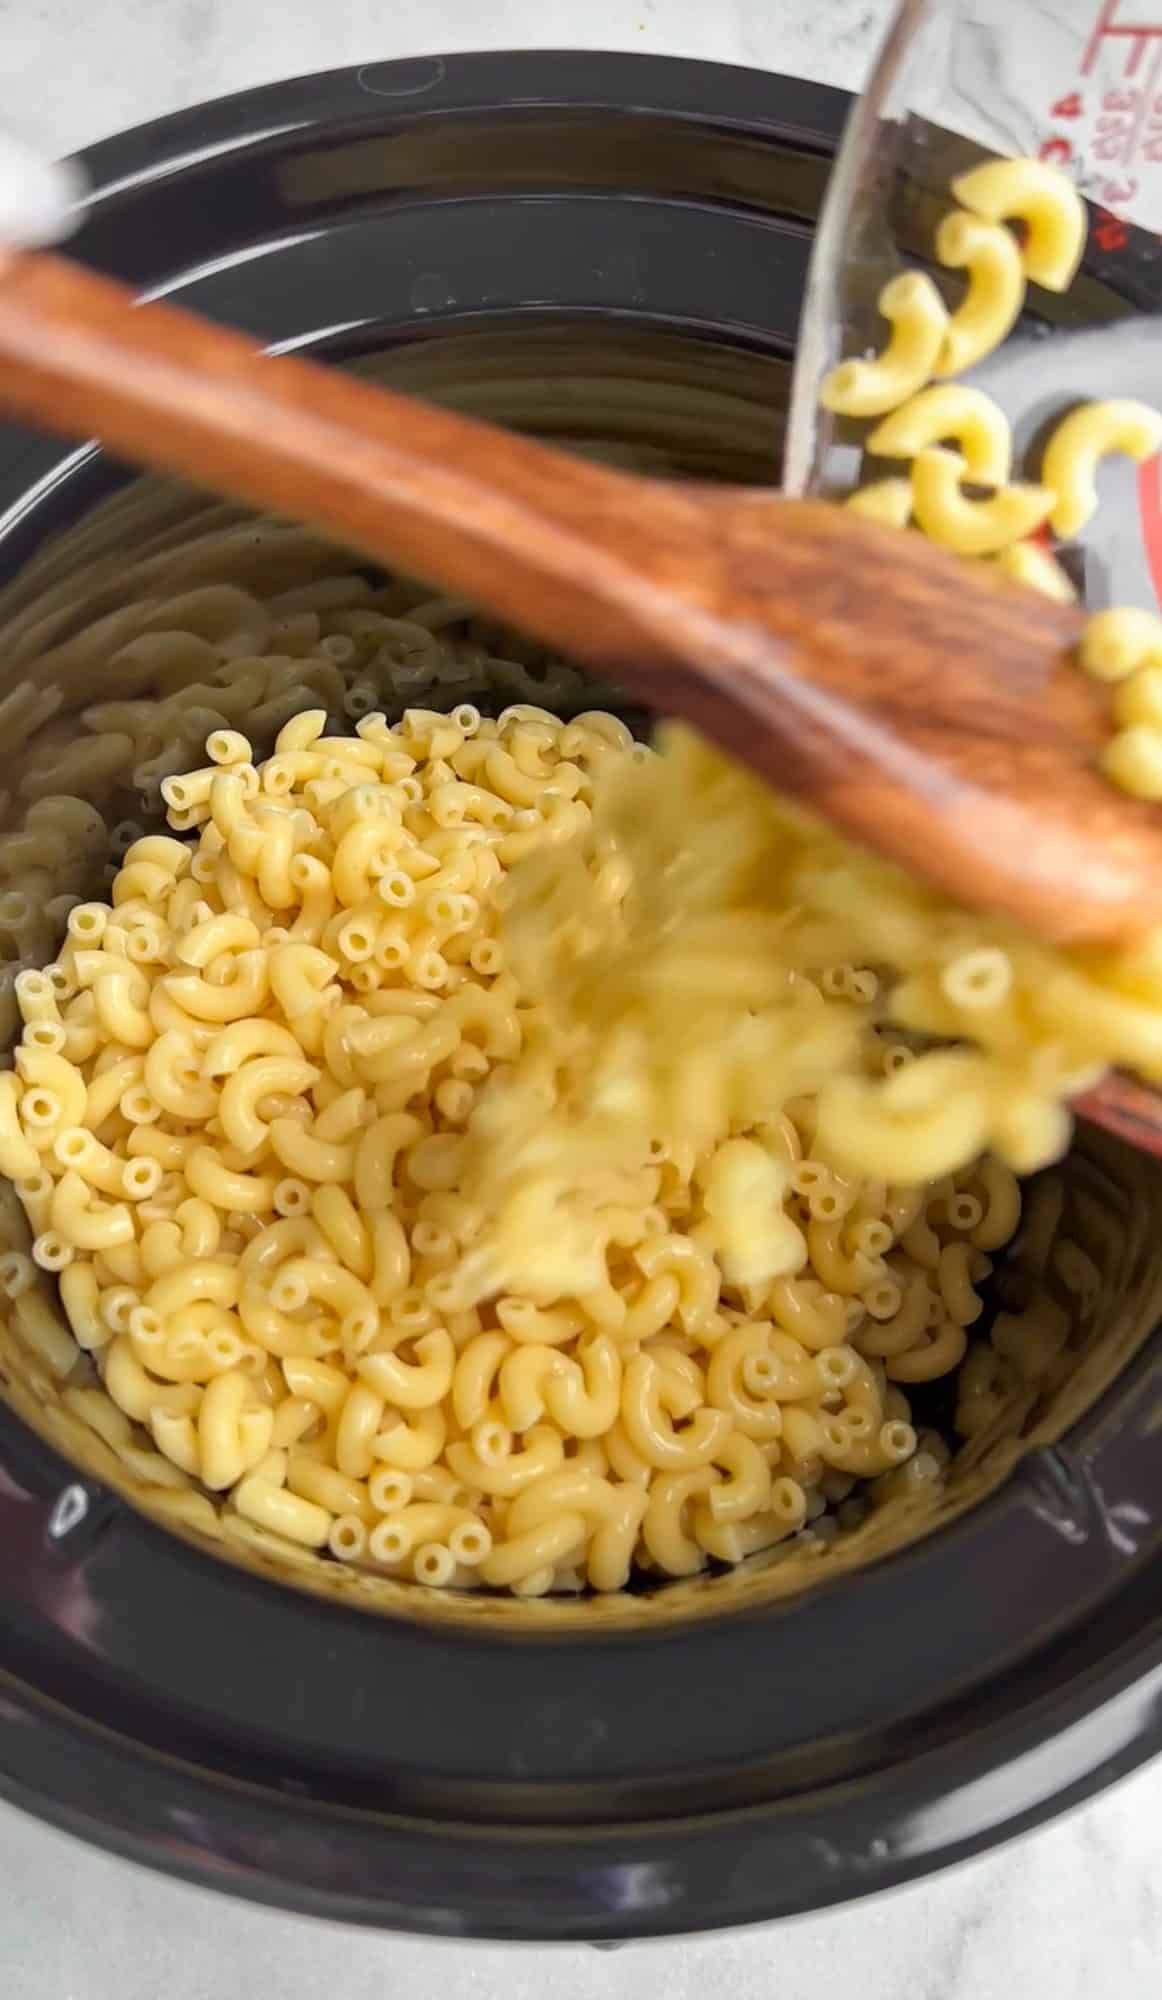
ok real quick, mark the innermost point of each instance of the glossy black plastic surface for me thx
(548, 1786)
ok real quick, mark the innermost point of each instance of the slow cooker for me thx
(610, 250)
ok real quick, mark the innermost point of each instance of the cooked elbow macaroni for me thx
(919, 322)
(989, 252)
(1084, 437)
(971, 527)
(265, 1183)
(1044, 201)
(954, 414)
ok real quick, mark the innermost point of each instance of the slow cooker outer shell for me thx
(516, 1785)
(225, 1729)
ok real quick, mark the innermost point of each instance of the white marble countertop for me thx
(1075, 1910)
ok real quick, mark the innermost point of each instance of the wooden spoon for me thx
(923, 704)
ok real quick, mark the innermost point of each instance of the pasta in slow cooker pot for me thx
(492, 1153)
(242, 1127)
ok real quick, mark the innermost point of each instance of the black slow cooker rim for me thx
(342, 104)
(799, 109)
(275, 1834)
(542, 1884)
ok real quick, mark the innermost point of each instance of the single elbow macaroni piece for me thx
(888, 501)
(664, 1529)
(58, 1078)
(919, 322)
(950, 414)
(176, 1437)
(358, 1427)
(746, 1489)
(77, 1150)
(243, 1041)
(1044, 200)
(233, 1434)
(81, 1299)
(650, 1401)
(88, 1225)
(695, 1270)
(211, 1180)
(36, 997)
(1132, 760)
(118, 999)
(417, 1385)
(282, 1513)
(843, 1271)
(173, 1080)
(186, 1283)
(542, 1450)
(474, 1378)
(514, 1560)
(525, 1376)
(1002, 1211)
(18, 1157)
(137, 1393)
(906, 1327)
(746, 1393)
(991, 255)
(376, 1154)
(106, 1090)
(1085, 436)
(299, 976)
(733, 1541)
(227, 932)
(242, 996)
(971, 527)
(344, 1228)
(309, 1157)
(805, 1308)
(584, 1401)
(259, 1077)
(1117, 642)
(961, 1264)
(304, 1281)
(939, 1356)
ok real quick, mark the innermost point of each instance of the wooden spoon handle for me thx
(457, 502)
